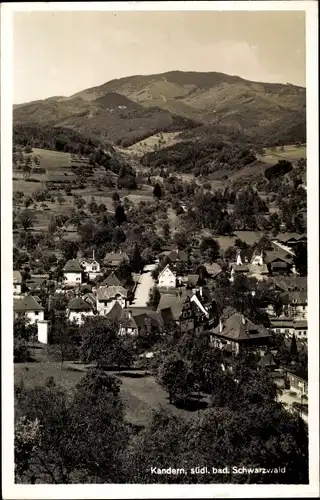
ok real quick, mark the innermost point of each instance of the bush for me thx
(20, 350)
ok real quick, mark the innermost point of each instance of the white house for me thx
(29, 307)
(91, 267)
(17, 283)
(72, 273)
(107, 296)
(78, 309)
(167, 279)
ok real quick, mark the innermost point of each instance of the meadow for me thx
(290, 153)
(140, 392)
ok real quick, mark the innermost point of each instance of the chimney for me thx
(130, 314)
(243, 319)
(92, 254)
(220, 326)
(200, 291)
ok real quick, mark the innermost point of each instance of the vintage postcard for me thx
(160, 257)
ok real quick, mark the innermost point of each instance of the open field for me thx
(51, 160)
(148, 144)
(141, 394)
(291, 153)
(249, 237)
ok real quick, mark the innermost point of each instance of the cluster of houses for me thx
(185, 301)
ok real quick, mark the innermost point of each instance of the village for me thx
(166, 293)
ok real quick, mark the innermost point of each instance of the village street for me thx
(144, 286)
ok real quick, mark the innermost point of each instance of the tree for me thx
(82, 434)
(136, 260)
(79, 202)
(115, 198)
(26, 440)
(120, 215)
(166, 231)
(21, 352)
(65, 339)
(102, 344)
(69, 249)
(210, 248)
(293, 346)
(175, 376)
(26, 219)
(60, 198)
(154, 297)
(301, 259)
(157, 191)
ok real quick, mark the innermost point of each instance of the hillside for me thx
(110, 116)
(133, 108)
(212, 98)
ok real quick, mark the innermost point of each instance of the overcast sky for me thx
(60, 53)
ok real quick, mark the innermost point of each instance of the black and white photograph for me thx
(160, 249)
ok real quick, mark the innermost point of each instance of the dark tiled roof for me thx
(287, 283)
(27, 303)
(112, 280)
(285, 237)
(72, 266)
(267, 360)
(277, 255)
(192, 279)
(174, 302)
(178, 255)
(213, 269)
(78, 304)
(240, 268)
(115, 313)
(166, 316)
(108, 292)
(115, 258)
(238, 328)
(298, 297)
(303, 324)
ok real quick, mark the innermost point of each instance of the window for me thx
(94, 268)
(78, 279)
(36, 313)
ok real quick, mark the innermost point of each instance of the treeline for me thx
(84, 437)
(281, 168)
(54, 138)
(201, 157)
(177, 123)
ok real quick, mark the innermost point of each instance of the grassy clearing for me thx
(52, 160)
(141, 394)
(291, 153)
(148, 144)
(249, 237)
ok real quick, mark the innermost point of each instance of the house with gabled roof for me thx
(278, 262)
(107, 296)
(167, 278)
(78, 309)
(113, 280)
(132, 321)
(113, 260)
(240, 333)
(91, 266)
(17, 283)
(30, 307)
(185, 308)
(291, 240)
(73, 273)
(250, 262)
